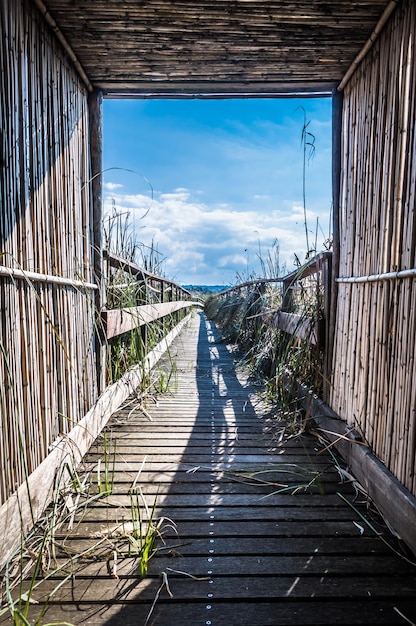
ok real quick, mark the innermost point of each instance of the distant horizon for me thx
(208, 286)
(212, 185)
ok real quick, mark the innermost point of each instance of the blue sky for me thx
(213, 183)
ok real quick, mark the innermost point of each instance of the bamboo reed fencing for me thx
(373, 385)
(47, 364)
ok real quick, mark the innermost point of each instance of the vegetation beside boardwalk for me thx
(248, 318)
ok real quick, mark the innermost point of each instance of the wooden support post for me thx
(337, 104)
(287, 295)
(327, 338)
(95, 124)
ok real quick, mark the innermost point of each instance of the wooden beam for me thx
(216, 89)
(64, 42)
(369, 43)
(119, 321)
(26, 505)
(337, 108)
(251, 283)
(96, 143)
(129, 267)
(310, 267)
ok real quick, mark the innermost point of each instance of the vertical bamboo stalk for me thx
(374, 338)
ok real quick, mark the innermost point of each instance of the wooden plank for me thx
(326, 526)
(300, 515)
(256, 501)
(262, 613)
(229, 460)
(393, 500)
(298, 325)
(120, 321)
(222, 546)
(255, 588)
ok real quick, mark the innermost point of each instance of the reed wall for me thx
(47, 366)
(373, 384)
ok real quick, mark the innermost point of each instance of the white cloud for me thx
(112, 186)
(209, 244)
(226, 180)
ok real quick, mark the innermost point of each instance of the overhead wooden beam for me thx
(369, 43)
(68, 49)
(212, 89)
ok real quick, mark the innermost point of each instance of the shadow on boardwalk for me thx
(242, 554)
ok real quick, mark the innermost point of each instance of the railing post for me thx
(287, 295)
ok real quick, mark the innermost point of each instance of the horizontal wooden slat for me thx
(286, 612)
(187, 529)
(225, 588)
(298, 325)
(120, 321)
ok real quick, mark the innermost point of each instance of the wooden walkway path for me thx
(235, 552)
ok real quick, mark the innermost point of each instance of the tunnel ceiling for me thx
(162, 47)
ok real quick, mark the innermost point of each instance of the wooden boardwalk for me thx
(235, 552)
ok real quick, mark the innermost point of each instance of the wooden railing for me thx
(152, 297)
(317, 329)
(305, 306)
(297, 323)
(288, 317)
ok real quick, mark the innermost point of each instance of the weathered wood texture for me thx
(156, 296)
(310, 283)
(300, 326)
(47, 367)
(245, 46)
(209, 456)
(373, 381)
(120, 321)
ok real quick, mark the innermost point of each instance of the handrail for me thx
(119, 320)
(309, 268)
(301, 326)
(122, 264)
(249, 283)
(372, 278)
(312, 327)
